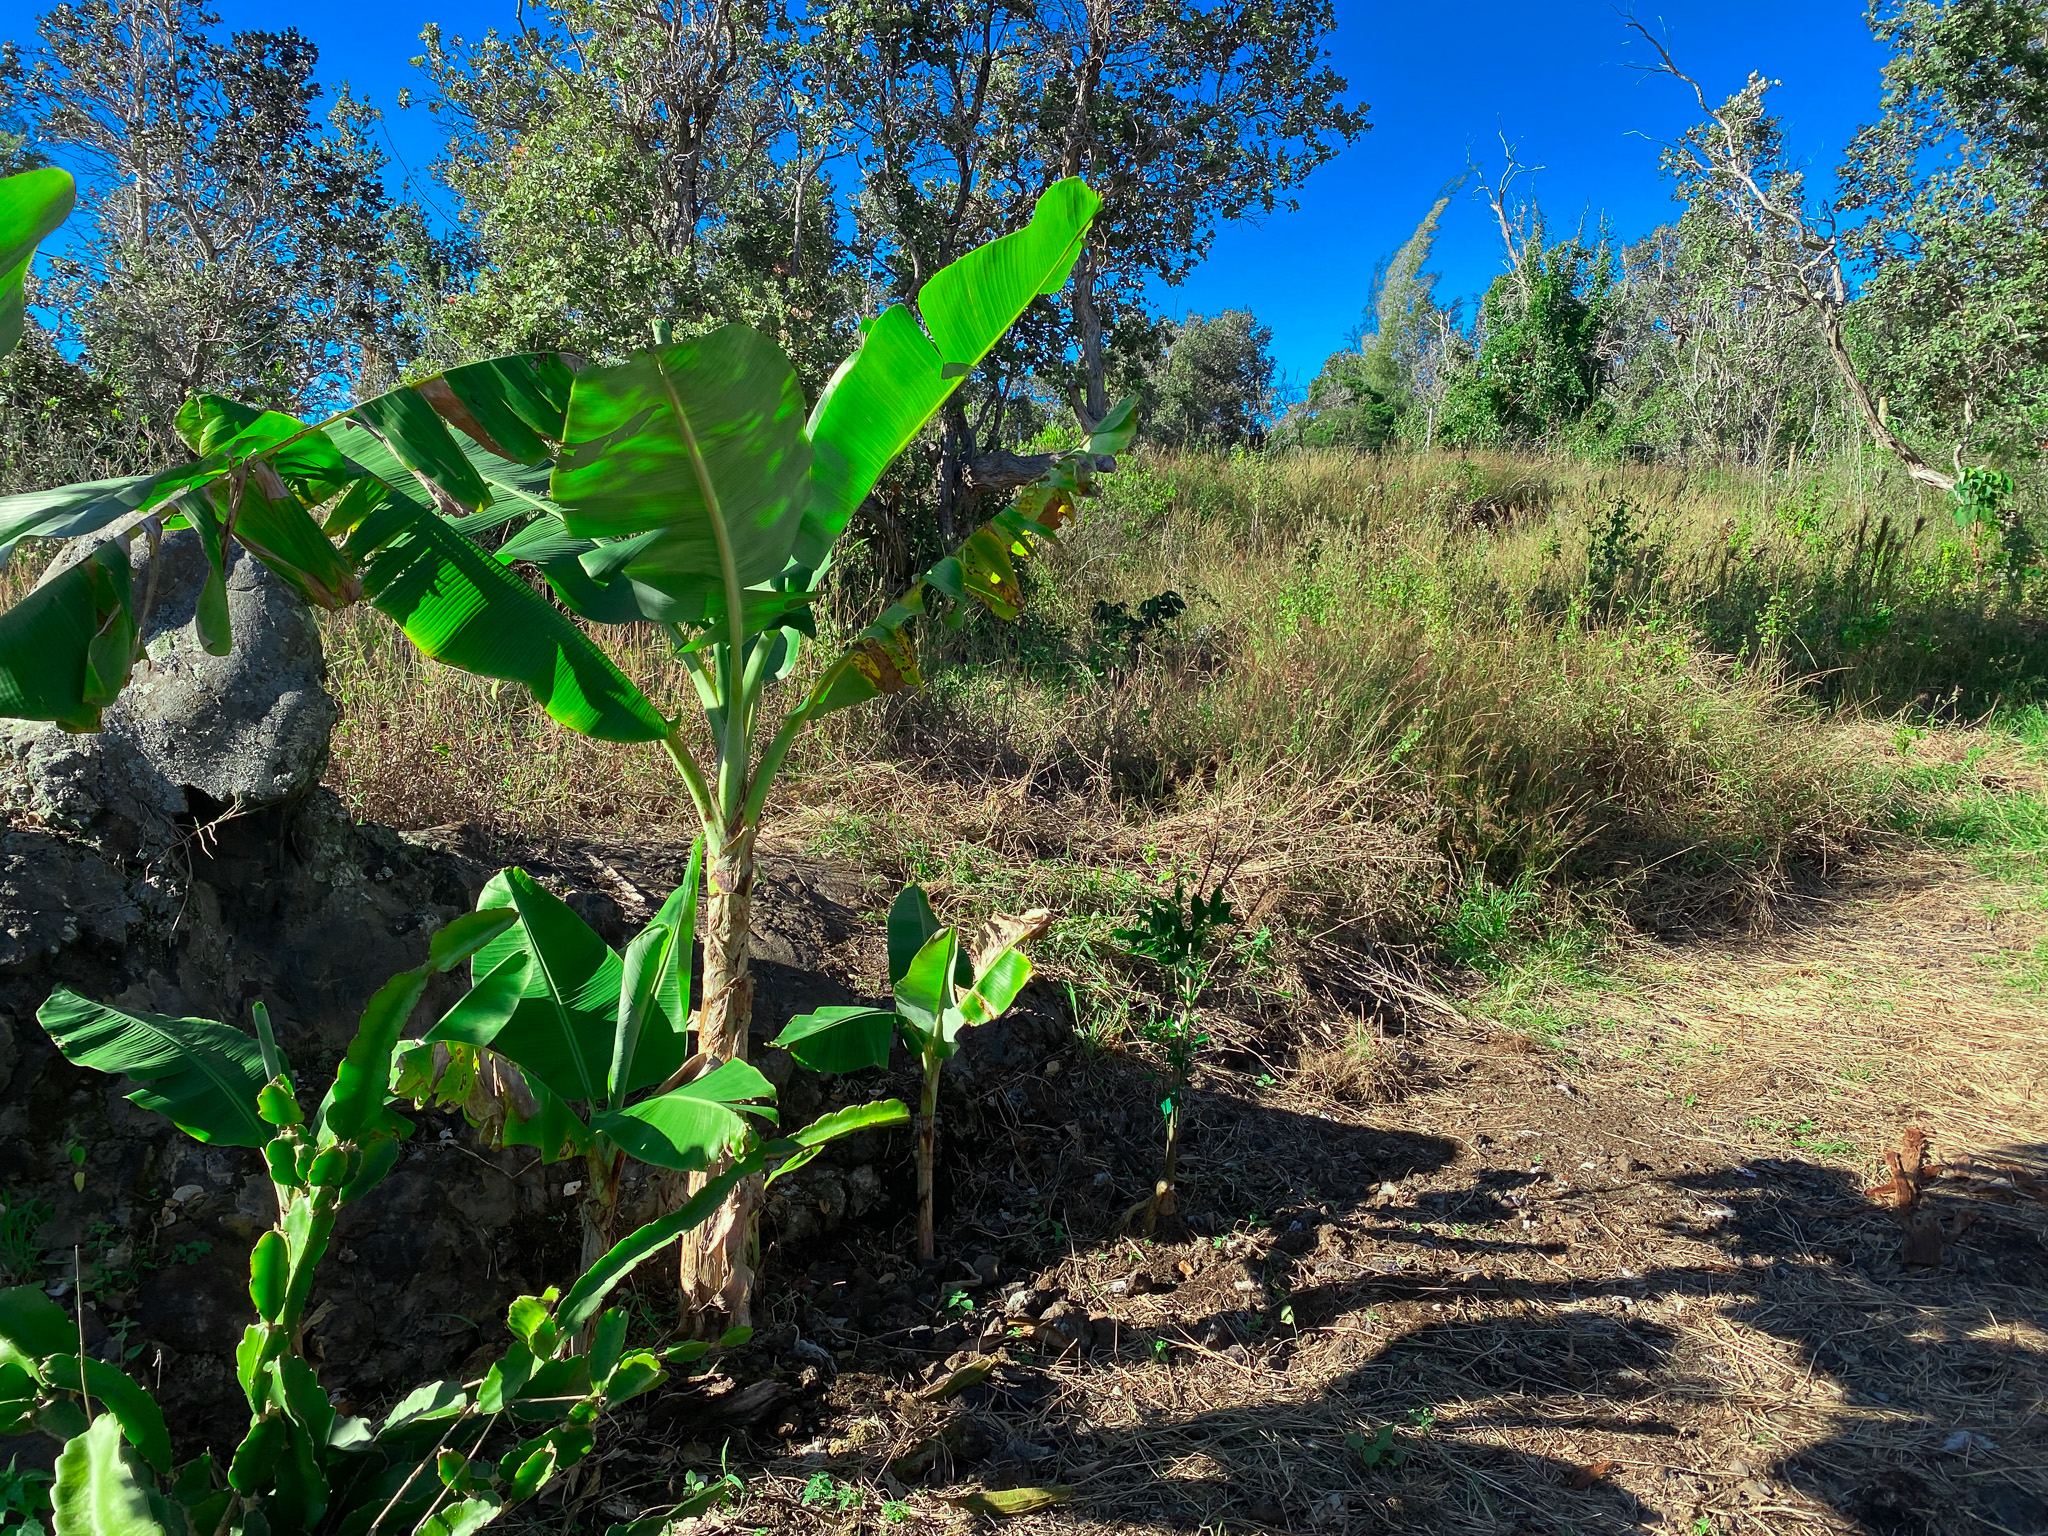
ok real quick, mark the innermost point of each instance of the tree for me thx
(1704, 359)
(1394, 364)
(958, 111)
(621, 164)
(1215, 388)
(1951, 186)
(1536, 365)
(231, 242)
(1736, 161)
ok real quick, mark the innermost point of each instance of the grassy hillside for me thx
(1390, 687)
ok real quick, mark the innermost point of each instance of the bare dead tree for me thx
(1736, 159)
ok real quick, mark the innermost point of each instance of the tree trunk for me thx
(716, 1269)
(1873, 418)
(1088, 326)
(600, 1201)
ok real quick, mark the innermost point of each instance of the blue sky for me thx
(1443, 81)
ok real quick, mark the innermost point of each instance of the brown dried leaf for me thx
(1585, 1477)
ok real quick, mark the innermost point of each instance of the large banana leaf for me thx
(546, 992)
(32, 205)
(201, 1076)
(70, 510)
(460, 606)
(882, 395)
(703, 441)
(65, 648)
(693, 1126)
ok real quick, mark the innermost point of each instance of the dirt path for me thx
(1630, 1284)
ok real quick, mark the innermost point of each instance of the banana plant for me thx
(32, 205)
(938, 993)
(451, 1456)
(684, 487)
(560, 1037)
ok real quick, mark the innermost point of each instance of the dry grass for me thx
(1374, 648)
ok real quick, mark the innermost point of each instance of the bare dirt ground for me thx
(1632, 1281)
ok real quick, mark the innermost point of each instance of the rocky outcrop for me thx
(194, 737)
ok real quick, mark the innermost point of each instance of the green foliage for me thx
(1951, 226)
(201, 1076)
(1363, 393)
(1182, 935)
(1215, 387)
(24, 1500)
(682, 486)
(1349, 405)
(1121, 634)
(559, 1040)
(448, 1457)
(1612, 553)
(1377, 1452)
(21, 1227)
(1537, 368)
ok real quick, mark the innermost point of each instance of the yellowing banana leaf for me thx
(881, 660)
(32, 205)
(990, 577)
(460, 606)
(703, 441)
(66, 647)
(1003, 1503)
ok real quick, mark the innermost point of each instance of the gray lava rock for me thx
(193, 736)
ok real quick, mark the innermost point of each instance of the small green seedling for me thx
(1180, 934)
(1378, 1454)
(24, 1501)
(938, 995)
(823, 1490)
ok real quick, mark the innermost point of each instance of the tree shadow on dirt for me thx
(1931, 1429)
